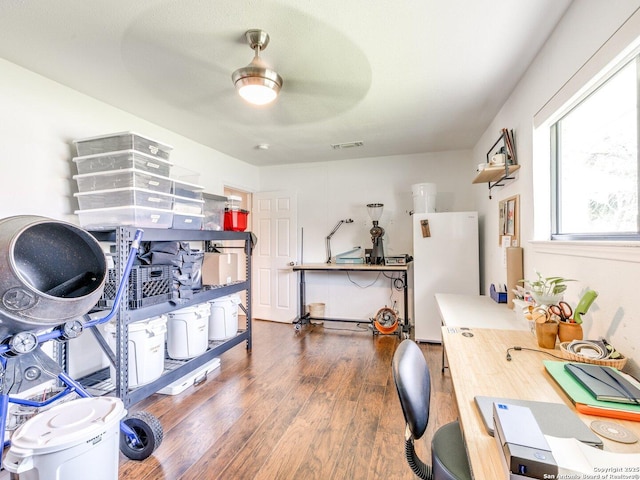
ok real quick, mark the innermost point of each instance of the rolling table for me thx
(305, 318)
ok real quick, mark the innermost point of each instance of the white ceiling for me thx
(403, 76)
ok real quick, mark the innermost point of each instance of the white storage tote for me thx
(223, 321)
(68, 441)
(146, 349)
(188, 331)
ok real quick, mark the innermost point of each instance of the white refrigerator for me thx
(445, 260)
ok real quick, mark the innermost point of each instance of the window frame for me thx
(556, 166)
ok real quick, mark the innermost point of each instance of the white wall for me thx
(612, 271)
(330, 191)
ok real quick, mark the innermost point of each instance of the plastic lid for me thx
(200, 308)
(68, 424)
(191, 186)
(120, 171)
(124, 189)
(110, 327)
(120, 152)
(119, 134)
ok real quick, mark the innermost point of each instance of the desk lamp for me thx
(377, 232)
(328, 239)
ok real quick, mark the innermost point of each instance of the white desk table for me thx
(477, 311)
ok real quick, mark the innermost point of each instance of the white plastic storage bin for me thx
(187, 205)
(188, 331)
(146, 349)
(187, 221)
(223, 321)
(104, 162)
(124, 178)
(181, 188)
(106, 218)
(122, 141)
(187, 213)
(82, 436)
(213, 211)
(124, 197)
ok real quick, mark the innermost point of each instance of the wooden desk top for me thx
(352, 267)
(478, 366)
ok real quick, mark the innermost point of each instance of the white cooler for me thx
(146, 349)
(188, 331)
(223, 322)
(68, 441)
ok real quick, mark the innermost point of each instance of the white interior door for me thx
(274, 282)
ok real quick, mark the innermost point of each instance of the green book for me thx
(578, 393)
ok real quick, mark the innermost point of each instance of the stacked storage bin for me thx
(213, 211)
(188, 205)
(123, 179)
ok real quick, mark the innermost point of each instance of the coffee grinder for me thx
(377, 232)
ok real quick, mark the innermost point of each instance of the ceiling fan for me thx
(257, 83)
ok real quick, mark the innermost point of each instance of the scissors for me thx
(562, 310)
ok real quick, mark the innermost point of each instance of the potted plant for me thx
(547, 290)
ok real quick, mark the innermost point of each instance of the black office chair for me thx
(413, 382)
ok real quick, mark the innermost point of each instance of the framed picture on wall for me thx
(509, 221)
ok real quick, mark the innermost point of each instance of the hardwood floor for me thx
(315, 404)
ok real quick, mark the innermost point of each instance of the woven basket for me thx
(618, 363)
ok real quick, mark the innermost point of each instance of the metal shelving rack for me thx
(174, 370)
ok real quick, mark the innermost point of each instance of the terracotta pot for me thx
(546, 334)
(569, 331)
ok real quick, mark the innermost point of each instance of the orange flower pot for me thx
(568, 332)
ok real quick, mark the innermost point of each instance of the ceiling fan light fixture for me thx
(257, 83)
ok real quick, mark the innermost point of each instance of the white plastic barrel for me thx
(424, 197)
(74, 440)
(188, 331)
(223, 321)
(146, 349)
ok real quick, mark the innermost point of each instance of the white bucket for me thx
(68, 441)
(223, 321)
(188, 331)
(146, 349)
(424, 197)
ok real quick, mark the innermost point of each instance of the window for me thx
(595, 162)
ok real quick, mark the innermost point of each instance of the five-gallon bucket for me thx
(50, 272)
(146, 349)
(223, 322)
(424, 197)
(188, 331)
(75, 440)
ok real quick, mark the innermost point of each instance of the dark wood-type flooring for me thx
(314, 404)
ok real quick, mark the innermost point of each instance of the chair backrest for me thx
(413, 383)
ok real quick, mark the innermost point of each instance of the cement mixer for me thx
(52, 274)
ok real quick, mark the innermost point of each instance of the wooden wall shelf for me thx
(495, 174)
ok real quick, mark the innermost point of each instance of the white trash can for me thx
(188, 331)
(223, 322)
(75, 440)
(146, 349)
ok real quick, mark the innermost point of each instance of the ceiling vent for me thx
(340, 146)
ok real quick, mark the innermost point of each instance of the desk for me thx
(477, 311)
(478, 366)
(304, 317)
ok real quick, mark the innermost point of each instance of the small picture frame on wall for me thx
(509, 221)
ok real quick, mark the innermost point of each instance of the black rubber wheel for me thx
(150, 434)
